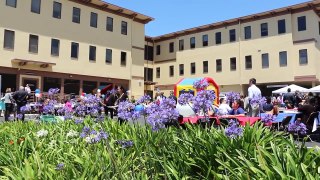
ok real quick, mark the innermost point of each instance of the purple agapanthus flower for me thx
(49, 107)
(78, 121)
(200, 84)
(91, 136)
(125, 143)
(53, 91)
(268, 118)
(126, 111)
(258, 101)
(60, 167)
(144, 99)
(20, 116)
(233, 130)
(25, 109)
(297, 127)
(232, 96)
(185, 98)
(203, 101)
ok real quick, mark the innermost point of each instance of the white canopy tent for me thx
(315, 89)
(293, 88)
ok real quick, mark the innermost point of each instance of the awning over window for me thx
(24, 62)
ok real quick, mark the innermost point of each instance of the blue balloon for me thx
(37, 91)
(139, 107)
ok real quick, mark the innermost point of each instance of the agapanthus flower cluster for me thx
(80, 110)
(200, 84)
(297, 127)
(91, 136)
(25, 109)
(78, 121)
(49, 107)
(233, 130)
(42, 133)
(232, 96)
(268, 118)
(20, 116)
(126, 111)
(59, 167)
(258, 101)
(100, 118)
(144, 99)
(185, 98)
(72, 134)
(53, 91)
(125, 143)
(66, 112)
(112, 91)
(203, 101)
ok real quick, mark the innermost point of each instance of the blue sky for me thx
(175, 15)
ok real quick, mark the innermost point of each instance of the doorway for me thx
(33, 83)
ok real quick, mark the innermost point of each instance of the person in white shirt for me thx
(224, 108)
(253, 92)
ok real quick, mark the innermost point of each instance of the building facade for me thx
(278, 47)
(74, 45)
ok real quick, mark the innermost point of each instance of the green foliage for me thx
(173, 153)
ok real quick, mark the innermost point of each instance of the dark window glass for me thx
(35, 6)
(123, 58)
(148, 53)
(281, 26)
(49, 83)
(171, 47)
(33, 43)
(233, 64)
(205, 66)
(193, 68)
(303, 56)
(192, 42)
(205, 40)
(232, 35)
(248, 62)
(264, 29)
(11, 3)
(109, 56)
(218, 65)
(89, 86)
(171, 71)
(247, 32)
(71, 86)
(265, 60)
(56, 10)
(218, 37)
(8, 42)
(158, 72)
(283, 58)
(74, 50)
(109, 24)
(181, 45)
(124, 27)
(302, 23)
(76, 15)
(181, 69)
(92, 53)
(94, 20)
(148, 74)
(158, 49)
(55, 46)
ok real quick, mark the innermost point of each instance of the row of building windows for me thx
(303, 60)
(76, 14)
(9, 41)
(264, 32)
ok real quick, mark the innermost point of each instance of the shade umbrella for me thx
(293, 88)
(315, 89)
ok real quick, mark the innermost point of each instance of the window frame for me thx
(302, 52)
(57, 53)
(265, 62)
(247, 32)
(192, 42)
(205, 67)
(181, 44)
(280, 59)
(303, 26)
(75, 17)
(59, 6)
(218, 36)
(12, 40)
(233, 64)
(171, 47)
(282, 26)
(8, 3)
(32, 46)
(92, 53)
(38, 10)
(94, 20)
(124, 28)
(205, 40)
(109, 27)
(246, 62)
(158, 49)
(123, 58)
(181, 69)
(232, 35)
(171, 71)
(193, 68)
(108, 59)
(218, 65)
(264, 31)
(75, 44)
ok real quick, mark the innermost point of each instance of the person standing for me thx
(20, 97)
(172, 96)
(288, 99)
(122, 96)
(9, 103)
(110, 101)
(253, 93)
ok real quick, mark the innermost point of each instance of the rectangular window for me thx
(283, 58)
(8, 42)
(33, 43)
(148, 74)
(76, 15)
(158, 72)
(218, 37)
(193, 68)
(233, 64)
(264, 29)
(205, 66)
(181, 45)
(35, 6)
(181, 69)
(55, 47)
(232, 35)
(123, 58)
(92, 53)
(94, 20)
(109, 56)
(148, 53)
(205, 40)
(302, 23)
(74, 50)
(171, 47)
(171, 71)
(158, 50)
(281, 26)
(247, 32)
(248, 62)
(11, 3)
(192, 42)
(110, 24)
(303, 56)
(56, 12)
(265, 60)
(124, 27)
(218, 65)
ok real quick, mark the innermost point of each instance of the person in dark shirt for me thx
(268, 105)
(20, 97)
(109, 101)
(306, 109)
(288, 99)
(122, 96)
(236, 108)
(172, 96)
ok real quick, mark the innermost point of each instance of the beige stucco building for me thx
(277, 47)
(75, 45)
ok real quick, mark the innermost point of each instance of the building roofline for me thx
(117, 10)
(310, 5)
